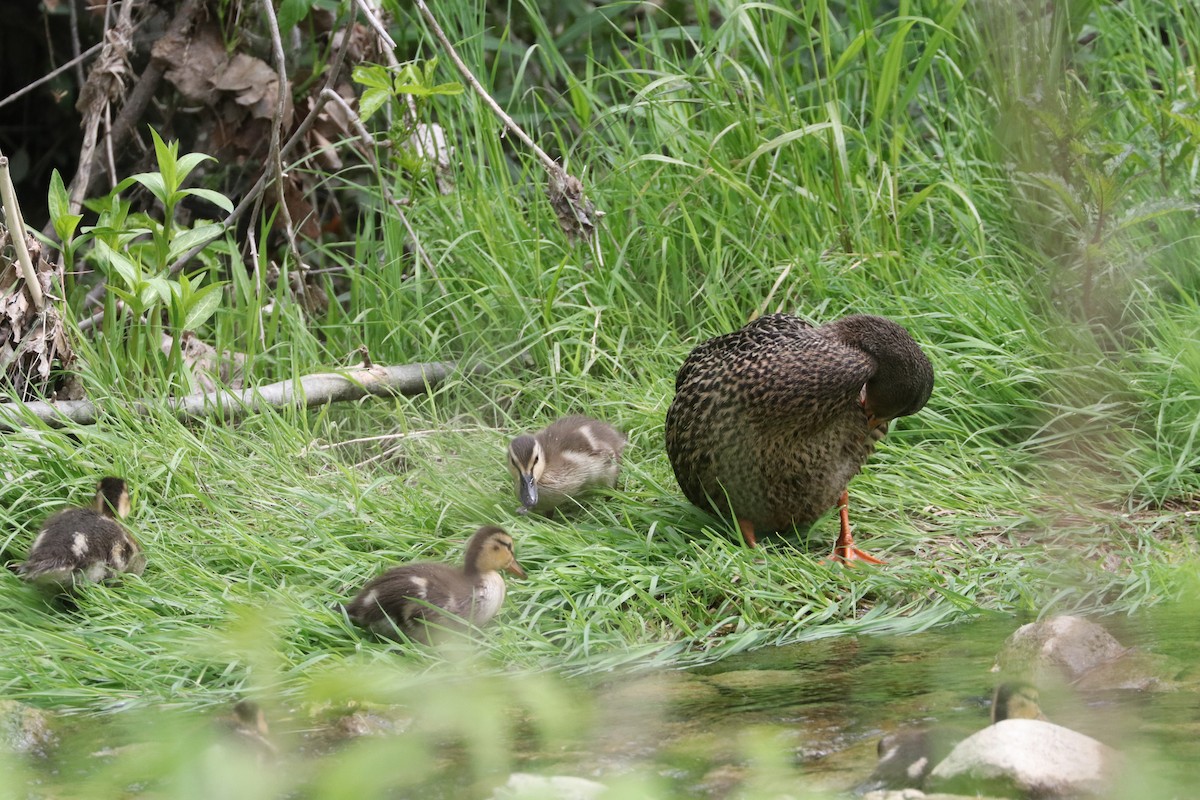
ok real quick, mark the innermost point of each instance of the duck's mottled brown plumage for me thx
(80, 545)
(413, 597)
(773, 420)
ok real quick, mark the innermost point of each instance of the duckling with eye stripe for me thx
(563, 460)
(416, 598)
(85, 545)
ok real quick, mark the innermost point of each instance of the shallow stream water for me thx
(824, 705)
(796, 721)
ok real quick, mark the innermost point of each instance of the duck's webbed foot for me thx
(844, 550)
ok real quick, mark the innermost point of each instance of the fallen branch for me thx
(311, 390)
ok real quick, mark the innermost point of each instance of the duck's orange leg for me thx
(747, 528)
(844, 550)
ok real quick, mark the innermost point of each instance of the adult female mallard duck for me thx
(413, 598)
(564, 460)
(80, 545)
(770, 422)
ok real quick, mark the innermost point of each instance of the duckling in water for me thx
(81, 545)
(563, 460)
(769, 423)
(247, 729)
(907, 757)
(416, 598)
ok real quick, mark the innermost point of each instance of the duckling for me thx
(81, 545)
(769, 423)
(246, 728)
(564, 459)
(907, 757)
(416, 597)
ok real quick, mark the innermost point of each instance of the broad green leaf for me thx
(415, 89)
(165, 154)
(188, 162)
(447, 88)
(372, 76)
(202, 305)
(216, 198)
(290, 13)
(127, 270)
(60, 209)
(186, 240)
(371, 101)
(157, 286)
(154, 182)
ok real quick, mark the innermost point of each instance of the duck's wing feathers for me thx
(580, 434)
(777, 367)
(412, 592)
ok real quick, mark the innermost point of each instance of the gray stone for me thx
(1027, 757)
(1135, 670)
(24, 729)
(1057, 648)
(526, 786)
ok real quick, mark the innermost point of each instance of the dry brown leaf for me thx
(577, 215)
(254, 85)
(208, 368)
(194, 60)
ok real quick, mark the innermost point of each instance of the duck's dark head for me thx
(903, 377)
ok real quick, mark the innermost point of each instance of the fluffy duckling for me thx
(564, 459)
(907, 757)
(247, 729)
(769, 423)
(82, 545)
(417, 597)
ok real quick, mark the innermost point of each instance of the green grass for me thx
(747, 162)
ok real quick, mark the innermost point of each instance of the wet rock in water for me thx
(1060, 647)
(768, 683)
(24, 729)
(1134, 670)
(526, 786)
(1027, 758)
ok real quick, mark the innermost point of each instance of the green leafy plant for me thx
(416, 83)
(136, 251)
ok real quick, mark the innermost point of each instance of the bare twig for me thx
(75, 42)
(102, 85)
(308, 391)
(49, 76)
(368, 147)
(389, 51)
(549, 163)
(577, 215)
(143, 91)
(16, 233)
(275, 157)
